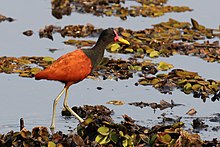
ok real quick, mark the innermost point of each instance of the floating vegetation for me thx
(99, 129)
(80, 31)
(70, 31)
(5, 18)
(162, 105)
(115, 8)
(48, 31)
(24, 66)
(115, 102)
(163, 40)
(28, 33)
(80, 43)
(168, 38)
(191, 112)
(87, 110)
(186, 81)
(60, 8)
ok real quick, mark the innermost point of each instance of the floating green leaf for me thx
(114, 137)
(164, 137)
(164, 66)
(51, 144)
(130, 50)
(153, 139)
(48, 59)
(103, 130)
(102, 139)
(114, 47)
(187, 88)
(154, 54)
(35, 70)
(196, 87)
(125, 143)
(125, 34)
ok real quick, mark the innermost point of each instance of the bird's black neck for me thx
(97, 52)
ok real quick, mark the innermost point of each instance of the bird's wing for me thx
(71, 67)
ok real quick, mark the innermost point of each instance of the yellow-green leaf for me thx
(155, 81)
(125, 143)
(114, 47)
(51, 144)
(102, 139)
(214, 86)
(125, 34)
(88, 121)
(164, 66)
(35, 70)
(196, 87)
(130, 50)
(164, 137)
(121, 133)
(187, 88)
(103, 130)
(154, 54)
(48, 59)
(140, 50)
(138, 68)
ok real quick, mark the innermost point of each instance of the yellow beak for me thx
(123, 41)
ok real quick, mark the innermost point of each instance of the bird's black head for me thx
(110, 35)
(107, 35)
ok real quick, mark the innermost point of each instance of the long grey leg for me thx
(52, 126)
(69, 109)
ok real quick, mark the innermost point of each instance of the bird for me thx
(75, 66)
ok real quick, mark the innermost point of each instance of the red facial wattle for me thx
(116, 36)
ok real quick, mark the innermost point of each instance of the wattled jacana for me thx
(75, 66)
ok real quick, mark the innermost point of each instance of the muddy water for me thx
(32, 100)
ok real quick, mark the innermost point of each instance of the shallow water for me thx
(32, 100)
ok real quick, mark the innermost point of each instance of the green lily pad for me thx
(114, 137)
(103, 130)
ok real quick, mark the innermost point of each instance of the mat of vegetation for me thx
(99, 129)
